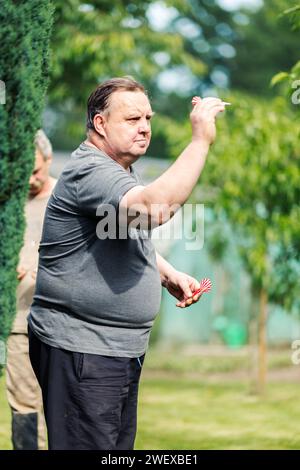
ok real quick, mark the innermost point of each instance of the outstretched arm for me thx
(158, 201)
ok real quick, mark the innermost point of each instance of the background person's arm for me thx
(156, 200)
(21, 273)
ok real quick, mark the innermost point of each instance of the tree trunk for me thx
(253, 349)
(262, 341)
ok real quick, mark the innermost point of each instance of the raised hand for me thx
(203, 117)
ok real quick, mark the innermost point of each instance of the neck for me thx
(46, 189)
(95, 141)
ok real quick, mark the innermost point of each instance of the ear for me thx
(99, 124)
(49, 161)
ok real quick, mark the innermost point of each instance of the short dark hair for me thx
(98, 100)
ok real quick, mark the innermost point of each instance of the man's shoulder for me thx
(87, 154)
(84, 160)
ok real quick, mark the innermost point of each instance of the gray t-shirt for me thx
(93, 295)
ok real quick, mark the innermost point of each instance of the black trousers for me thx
(90, 400)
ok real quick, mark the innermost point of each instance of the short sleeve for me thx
(102, 182)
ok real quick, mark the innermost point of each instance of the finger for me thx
(190, 301)
(183, 303)
(211, 105)
(211, 98)
(206, 102)
(196, 100)
(208, 106)
(187, 290)
(216, 110)
(196, 297)
(194, 284)
(213, 111)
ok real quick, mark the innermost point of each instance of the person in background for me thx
(23, 390)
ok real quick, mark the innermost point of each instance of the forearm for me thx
(165, 269)
(175, 185)
(158, 201)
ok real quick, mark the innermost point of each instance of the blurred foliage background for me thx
(176, 48)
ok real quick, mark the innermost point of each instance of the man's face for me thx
(40, 173)
(126, 124)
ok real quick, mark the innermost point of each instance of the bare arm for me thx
(175, 185)
(165, 269)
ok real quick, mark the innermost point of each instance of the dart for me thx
(205, 286)
(197, 99)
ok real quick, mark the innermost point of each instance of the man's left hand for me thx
(182, 286)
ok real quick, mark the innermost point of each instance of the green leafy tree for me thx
(203, 41)
(24, 38)
(256, 166)
(94, 41)
(264, 45)
(252, 180)
(100, 39)
(291, 78)
(241, 49)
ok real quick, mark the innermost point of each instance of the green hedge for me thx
(24, 38)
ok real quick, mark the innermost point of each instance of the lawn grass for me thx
(180, 407)
(209, 360)
(179, 414)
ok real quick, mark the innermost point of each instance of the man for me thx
(96, 296)
(23, 390)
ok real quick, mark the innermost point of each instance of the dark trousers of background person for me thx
(28, 430)
(90, 400)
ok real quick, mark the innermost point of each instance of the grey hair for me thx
(43, 144)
